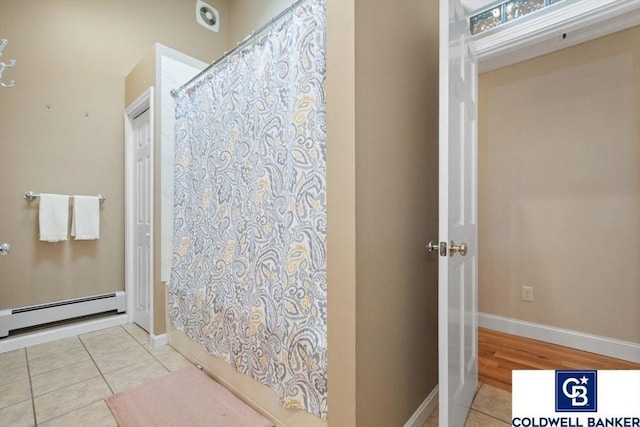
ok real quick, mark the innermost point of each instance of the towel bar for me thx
(31, 196)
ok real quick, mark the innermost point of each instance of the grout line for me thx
(480, 385)
(132, 336)
(67, 385)
(97, 367)
(113, 351)
(33, 408)
(480, 410)
(61, 367)
(128, 366)
(147, 350)
(33, 398)
(158, 360)
(57, 352)
(84, 346)
(75, 409)
(100, 374)
(491, 416)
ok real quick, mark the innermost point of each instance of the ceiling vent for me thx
(207, 16)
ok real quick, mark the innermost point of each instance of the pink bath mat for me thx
(187, 397)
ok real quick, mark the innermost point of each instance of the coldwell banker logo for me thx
(585, 398)
(576, 391)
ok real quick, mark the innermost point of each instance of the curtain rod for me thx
(243, 43)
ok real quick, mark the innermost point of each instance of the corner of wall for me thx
(141, 77)
(341, 244)
(396, 125)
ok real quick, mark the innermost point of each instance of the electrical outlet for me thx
(527, 293)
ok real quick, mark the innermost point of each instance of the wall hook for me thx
(3, 65)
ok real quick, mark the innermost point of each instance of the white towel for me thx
(86, 218)
(53, 217)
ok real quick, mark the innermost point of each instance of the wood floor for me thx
(500, 353)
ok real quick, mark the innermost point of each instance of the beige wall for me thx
(247, 16)
(559, 188)
(72, 59)
(396, 114)
(341, 213)
(140, 78)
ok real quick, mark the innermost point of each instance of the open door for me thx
(458, 233)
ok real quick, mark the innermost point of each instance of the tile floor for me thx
(65, 382)
(491, 408)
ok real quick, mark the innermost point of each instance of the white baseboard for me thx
(159, 340)
(425, 409)
(619, 349)
(56, 333)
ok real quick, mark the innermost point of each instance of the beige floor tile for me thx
(137, 332)
(12, 357)
(46, 364)
(54, 348)
(18, 415)
(494, 402)
(134, 375)
(15, 392)
(173, 360)
(114, 331)
(102, 335)
(131, 327)
(63, 377)
(156, 351)
(432, 421)
(478, 419)
(13, 372)
(131, 356)
(13, 367)
(64, 400)
(95, 415)
(111, 344)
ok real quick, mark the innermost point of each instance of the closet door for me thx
(142, 211)
(457, 266)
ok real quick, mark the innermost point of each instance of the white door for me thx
(457, 266)
(142, 274)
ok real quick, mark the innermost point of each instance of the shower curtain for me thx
(248, 279)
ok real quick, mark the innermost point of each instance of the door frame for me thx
(561, 26)
(137, 107)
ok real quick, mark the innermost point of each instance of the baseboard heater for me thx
(40, 314)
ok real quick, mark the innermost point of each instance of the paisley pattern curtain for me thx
(248, 279)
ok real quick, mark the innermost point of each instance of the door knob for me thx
(432, 246)
(4, 249)
(453, 248)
